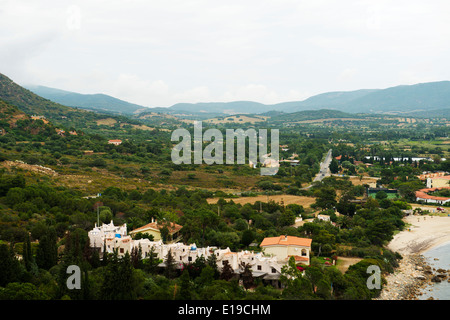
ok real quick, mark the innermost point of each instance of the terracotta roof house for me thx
(154, 229)
(438, 181)
(115, 142)
(422, 195)
(283, 247)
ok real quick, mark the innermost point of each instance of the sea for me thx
(438, 290)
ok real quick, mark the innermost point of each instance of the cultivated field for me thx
(286, 199)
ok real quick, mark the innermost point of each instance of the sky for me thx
(158, 53)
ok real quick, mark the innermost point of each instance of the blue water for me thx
(440, 290)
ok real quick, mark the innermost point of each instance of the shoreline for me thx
(414, 274)
(422, 234)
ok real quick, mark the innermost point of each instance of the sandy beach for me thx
(413, 274)
(424, 233)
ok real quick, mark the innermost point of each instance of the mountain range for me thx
(403, 99)
(95, 102)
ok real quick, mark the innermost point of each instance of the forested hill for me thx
(33, 104)
(312, 115)
(100, 102)
(12, 120)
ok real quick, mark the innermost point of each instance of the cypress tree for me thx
(26, 253)
(47, 253)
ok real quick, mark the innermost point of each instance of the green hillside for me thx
(312, 115)
(100, 102)
(32, 104)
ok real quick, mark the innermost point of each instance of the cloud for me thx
(193, 95)
(140, 91)
(158, 53)
(347, 74)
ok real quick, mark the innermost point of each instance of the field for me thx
(106, 122)
(286, 199)
(237, 119)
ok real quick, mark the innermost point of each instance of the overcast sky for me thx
(158, 53)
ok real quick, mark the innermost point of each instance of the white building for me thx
(266, 264)
(98, 235)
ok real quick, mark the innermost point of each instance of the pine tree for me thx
(151, 262)
(170, 265)
(212, 262)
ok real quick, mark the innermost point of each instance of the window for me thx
(274, 270)
(121, 250)
(189, 259)
(304, 253)
(259, 268)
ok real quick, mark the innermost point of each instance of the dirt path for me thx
(344, 262)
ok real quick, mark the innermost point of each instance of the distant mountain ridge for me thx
(431, 97)
(98, 102)
(400, 99)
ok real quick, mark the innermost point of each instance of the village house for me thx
(422, 195)
(283, 247)
(115, 142)
(437, 180)
(154, 228)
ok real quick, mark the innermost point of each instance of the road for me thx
(324, 169)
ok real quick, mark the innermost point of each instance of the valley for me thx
(65, 168)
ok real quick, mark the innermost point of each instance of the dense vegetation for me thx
(44, 218)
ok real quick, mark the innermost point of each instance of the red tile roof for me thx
(299, 258)
(422, 193)
(286, 240)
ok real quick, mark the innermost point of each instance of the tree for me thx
(227, 271)
(380, 195)
(379, 230)
(207, 276)
(334, 166)
(136, 257)
(47, 252)
(296, 286)
(151, 263)
(212, 262)
(247, 277)
(185, 286)
(27, 255)
(22, 291)
(326, 197)
(287, 218)
(10, 269)
(118, 279)
(169, 271)
(247, 237)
